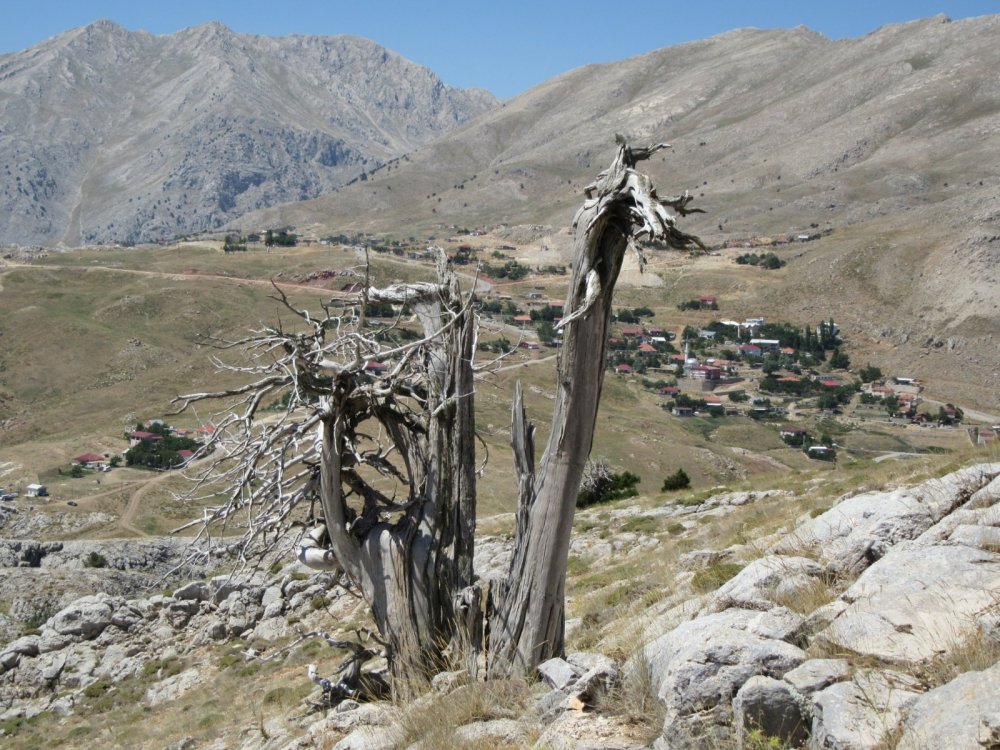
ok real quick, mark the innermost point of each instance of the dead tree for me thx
(527, 609)
(374, 450)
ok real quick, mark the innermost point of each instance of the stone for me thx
(700, 664)
(962, 713)
(862, 713)
(862, 529)
(445, 682)
(915, 604)
(775, 708)
(816, 674)
(756, 585)
(196, 590)
(558, 673)
(172, 687)
(370, 738)
(86, 617)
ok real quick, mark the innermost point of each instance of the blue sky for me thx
(504, 46)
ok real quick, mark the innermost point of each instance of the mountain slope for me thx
(892, 140)
(112, 135)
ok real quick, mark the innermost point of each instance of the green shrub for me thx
(675, 528)
(601, 485)
(95, 560)
(679, 480)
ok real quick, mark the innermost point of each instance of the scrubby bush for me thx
(601, 485)
(679, 480)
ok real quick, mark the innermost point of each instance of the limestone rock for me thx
(863, 713)
(699, 665)
(861, 529)
(816, 674)
(963, 713)
(558, 673)
(758, 584)
(86, 617)
(774, 707)
(916, 603)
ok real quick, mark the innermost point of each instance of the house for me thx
(788, 350)
(682, 411)
(750, 350)
(791, 431)
(529, 345)
(705, 372)
(669, 390)
(205, 432)
(632, 332)
(623, 369)
(707, 300)
(830, 383)
(766, 345)
(704, 333)
(522, 319)
(89, 460)
(186, 455)
(141, 436)
(36, 490)
(647, 349)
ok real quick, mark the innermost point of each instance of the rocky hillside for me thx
(868, 624)
(110, 135)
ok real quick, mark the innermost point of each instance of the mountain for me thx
(109, 135)
(891, 140)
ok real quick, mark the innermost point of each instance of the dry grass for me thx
(432, 720)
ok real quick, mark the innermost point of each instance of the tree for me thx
(839, 360)
(602, 485)
(382, 467)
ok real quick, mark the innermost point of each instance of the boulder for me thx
(558, 673)
(915, 604)
(863, 713)
(963, 713)
(775, 708)
(85, 618)
(861, 529)
(492, 733)
(814, 675)
(698, 666)
(196, 590)
(764, 580)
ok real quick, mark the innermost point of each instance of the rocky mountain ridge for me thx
(111, 135)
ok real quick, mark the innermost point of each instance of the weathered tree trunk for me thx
(528, 609)
(411, 570)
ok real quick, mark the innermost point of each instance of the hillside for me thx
(112, 136)
(891, 140)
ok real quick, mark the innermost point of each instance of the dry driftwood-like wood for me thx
(527, 611)
(372, 455)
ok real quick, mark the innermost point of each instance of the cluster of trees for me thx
(869, 373)
(679, 480)
(234, 243)
(501, 345)
(510, 270)
(281, 238)
(633, 315)
(500, 307)
(697, 304)
(162, 453)
(769, 261)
